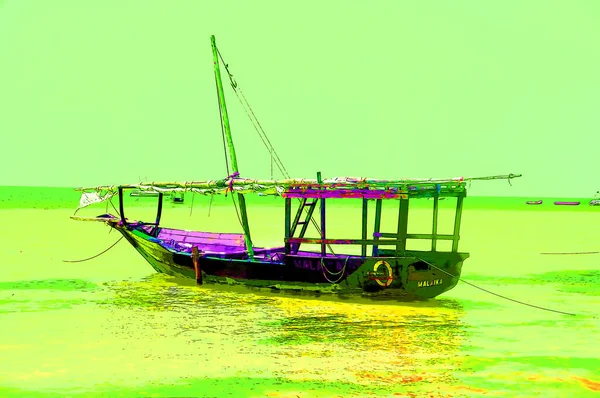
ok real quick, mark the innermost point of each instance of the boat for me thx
(567, 203)
(177, 197)
(535, 202)
(595, 202)
(376, 263)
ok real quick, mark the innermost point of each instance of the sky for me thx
(113, 91)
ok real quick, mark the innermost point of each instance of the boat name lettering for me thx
(315, 265)
(434, 282)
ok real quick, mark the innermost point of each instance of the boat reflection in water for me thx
(348, 347)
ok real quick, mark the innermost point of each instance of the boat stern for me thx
(418, 275)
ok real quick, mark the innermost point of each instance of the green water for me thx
(113, 327)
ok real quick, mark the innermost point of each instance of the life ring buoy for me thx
(389, 279)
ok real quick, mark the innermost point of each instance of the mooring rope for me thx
(570, 253)
(498, 295)
(261, 133)
(89, 258)
(192, 205)
(210, 203)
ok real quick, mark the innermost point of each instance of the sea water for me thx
(111, 326)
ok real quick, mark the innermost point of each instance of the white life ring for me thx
(389, 279)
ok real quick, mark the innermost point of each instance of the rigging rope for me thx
(272, 149)
(113, 206)
(253, 119)
(89, 258)
(192, 205)
(263, 135)
(210, 203)
(570, 253)
(496, 294)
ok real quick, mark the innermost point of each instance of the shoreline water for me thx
(113, 326)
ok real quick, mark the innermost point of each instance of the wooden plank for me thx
(413, 185)
(416, 236)
(318, 241)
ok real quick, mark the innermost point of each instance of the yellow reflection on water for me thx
(112, 324)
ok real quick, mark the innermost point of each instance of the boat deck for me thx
(218, 244)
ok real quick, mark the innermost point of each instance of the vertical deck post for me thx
(323, 235)
(159, 210)
(457, 218)
(158, 214)
(288, 217)
(377, 226)
(434, 228)
(121, 207)
(402, 226)
(195, 258)
(365, 213)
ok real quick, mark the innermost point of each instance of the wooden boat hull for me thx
(535, 202)
(567, 203)
(406, 278)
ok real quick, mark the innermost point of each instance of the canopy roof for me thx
(339, 187)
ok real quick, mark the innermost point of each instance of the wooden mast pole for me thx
(232, 156)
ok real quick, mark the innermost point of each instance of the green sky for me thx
(103, 92)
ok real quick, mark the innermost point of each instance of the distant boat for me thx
(567, 203)
(534, 202)
(595, 202)
(177, 197)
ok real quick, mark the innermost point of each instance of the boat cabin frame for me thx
(311, 193)
(396, 239)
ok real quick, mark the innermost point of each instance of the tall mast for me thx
(234, 166)
(232, 156)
